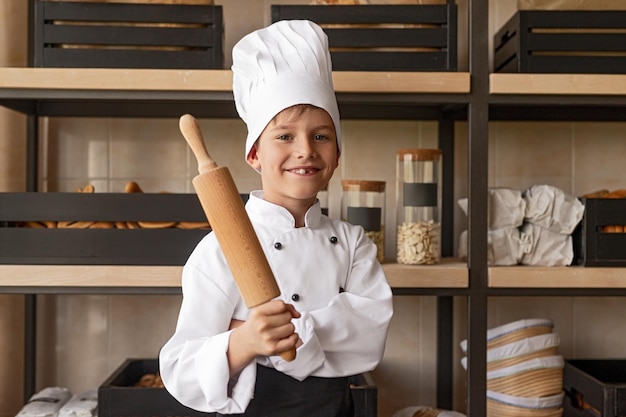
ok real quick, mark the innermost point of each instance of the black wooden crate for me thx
(118, 398)
(594, 388)
(166, 246)
(384, 37)
(69, 34)
(592, 245)
(562, 41)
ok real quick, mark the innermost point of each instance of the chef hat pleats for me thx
(284, 64)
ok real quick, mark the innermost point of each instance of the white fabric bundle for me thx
(506, 208)
(545, 248)
(45, 403)
(552, 209)
(84, 404)
(503, 246)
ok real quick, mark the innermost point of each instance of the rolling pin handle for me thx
(191, 131)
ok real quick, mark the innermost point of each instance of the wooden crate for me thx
(560, 41)
(69, 34)
(594, 388)
(594, 245)
(118, 397)
(384, 37)
(68, 246)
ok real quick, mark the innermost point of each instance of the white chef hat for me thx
(279, 66)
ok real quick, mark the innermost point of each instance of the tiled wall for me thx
(83, 338)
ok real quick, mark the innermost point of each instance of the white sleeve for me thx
(193, 363)
(348, 336)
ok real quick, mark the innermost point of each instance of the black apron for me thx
(279, 395)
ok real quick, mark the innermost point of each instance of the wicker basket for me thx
(498, 409)
(539, 377)
(515, 331)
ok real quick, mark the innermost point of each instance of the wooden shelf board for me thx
(558, 84)
(446, 275)
(556, 277)
(219, 80)
(89, 276)
(449, 274)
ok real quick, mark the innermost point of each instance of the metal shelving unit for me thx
(442, 97)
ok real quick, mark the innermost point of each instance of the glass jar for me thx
(363, 204)
(418, 173)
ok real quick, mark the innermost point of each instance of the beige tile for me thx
(80, 341)
(504, 310)
(146, 148)
(140, 325)
(599, 327)
(599, 150)
(73, 185)
(77, 148)
(225, 141)
(533, 149)
(406, 375)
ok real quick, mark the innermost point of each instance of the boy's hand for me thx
(267, 331)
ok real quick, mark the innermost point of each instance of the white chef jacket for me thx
(326, 269)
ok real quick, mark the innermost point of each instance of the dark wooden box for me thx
(70, 34)
(562, 41)
(593, 244)
(158, 246)
(118, 398)
(384, 37)
(594, 388)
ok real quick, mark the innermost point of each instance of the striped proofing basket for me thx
(524, 370)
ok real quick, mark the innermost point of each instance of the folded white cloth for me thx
(45, 403)
(550, 208)
(506, 208)
(504, 246)
(84, 404)
(543, 247)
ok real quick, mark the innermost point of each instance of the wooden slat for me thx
(221, 80)
(447, 275)
(560, 84)
(556, 277)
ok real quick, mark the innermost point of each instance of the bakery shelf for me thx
(564, 281)
(208, 93)
(166, 279)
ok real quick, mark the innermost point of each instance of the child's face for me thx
(296, 155)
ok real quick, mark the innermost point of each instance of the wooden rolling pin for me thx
(227, 217)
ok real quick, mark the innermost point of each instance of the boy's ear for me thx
(252, 158)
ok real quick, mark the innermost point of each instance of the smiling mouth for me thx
(303, 171)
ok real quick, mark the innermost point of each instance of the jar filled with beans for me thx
(418, 174)
(363, 203)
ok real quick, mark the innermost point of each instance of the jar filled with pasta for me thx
(418, 173)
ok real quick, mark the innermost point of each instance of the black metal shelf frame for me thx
(478, 108)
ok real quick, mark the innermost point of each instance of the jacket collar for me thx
(261, 211)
